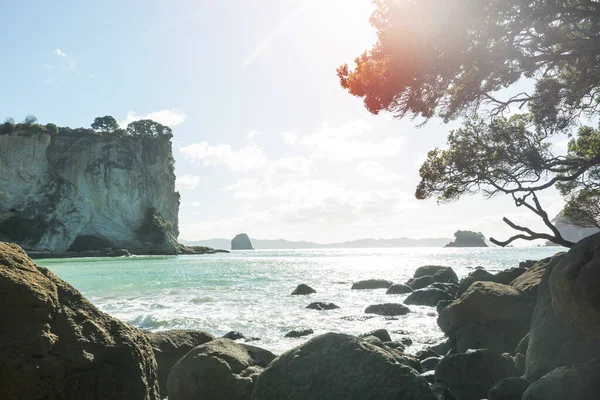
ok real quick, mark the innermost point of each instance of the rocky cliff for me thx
(78, 190)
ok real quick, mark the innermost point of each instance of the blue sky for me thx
(265, 140)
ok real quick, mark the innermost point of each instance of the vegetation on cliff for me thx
(453, 59)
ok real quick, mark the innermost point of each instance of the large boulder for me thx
(445, 275)
(170, 346)
(479, 275)
(529, 281)
(399, 288)
(387, 309)
(429, 270)
(508, 275)
(381, 334)
(427, 297)
(220, 369)
(575, 286)
(501, 308)
(475, 336)
(450, 288)
(333, 366)
(581, 382)
(54, 344)
(508, 389)
(241, 242)
(553, 342)
(372, 284)
(470, 376)
(303, 289)
(420, 283)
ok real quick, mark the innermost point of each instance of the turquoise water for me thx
(250, 291)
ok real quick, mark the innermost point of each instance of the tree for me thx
(52, 129)
(449, 59)
(147, 127)
(30, 119)
(105, 124)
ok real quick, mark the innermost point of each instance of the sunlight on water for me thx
(250, 291)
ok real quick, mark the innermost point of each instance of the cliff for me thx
(79, 190)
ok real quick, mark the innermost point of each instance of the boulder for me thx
(372, 284)
(395, 345)
(479, 275)
(426, 353)
(406, 341)
(429, 270)
(399, 288)
(528, 282)
(387, 309)
(299, 333)
(54, 344)
(320, 306)
(553, 342)
(427, 297)
(575, 286)
(580, 382)
(450, 288)
(382, 334)
(445, 346)
(501, 308)
(429, 363)
(508, 389)
(442, 304)
(234, 335)
(527, 263)
(473, 336)
(170, 346)
(241, 242)
(471, 375)
(508, 275)
(430, 377)
(420, 283)
(440, 391)
(334, 366)
(220, 369)
(303, 289)
(445, 275)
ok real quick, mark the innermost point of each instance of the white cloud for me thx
(344, 143)
(165, 117)
(187, 181)
(252, 134)
(196, 204)
(290, 138)
(71, 63)
(247, 158)
(375, 172)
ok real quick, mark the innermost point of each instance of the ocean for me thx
(249, 291)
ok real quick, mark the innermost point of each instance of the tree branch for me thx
(531, 235)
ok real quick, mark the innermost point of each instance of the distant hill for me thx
(282, 244)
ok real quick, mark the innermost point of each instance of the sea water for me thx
(249, 291)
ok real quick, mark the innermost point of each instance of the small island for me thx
(241, 242)
(468, 239)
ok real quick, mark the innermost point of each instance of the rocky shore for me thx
(531, 332)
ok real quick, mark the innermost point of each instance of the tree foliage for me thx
(147, 127)
(450, 59)
(105, 124)
(30, 119)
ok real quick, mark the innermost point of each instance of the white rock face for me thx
(86, 184)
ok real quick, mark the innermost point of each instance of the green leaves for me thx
(105, 124)
(147, 127)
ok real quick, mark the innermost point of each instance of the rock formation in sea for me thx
(241, 242)
(468, 239)
(77, 190)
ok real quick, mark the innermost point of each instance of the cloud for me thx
(281, 27)
(196, 204)
(375, 172)
(345, 143)
(71, 62)
(245, 159)
(187, 181)
(252, 134)
(290, 138)
(166, 117)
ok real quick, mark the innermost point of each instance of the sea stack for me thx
(468, 239)
(241, 242)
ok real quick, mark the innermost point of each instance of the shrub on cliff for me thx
(52, 129)
(7, 127)
(105, 124)
(147, 127)
(30, 119)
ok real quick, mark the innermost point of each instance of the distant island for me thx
(468, 239)
(282, 244)
(241, 242)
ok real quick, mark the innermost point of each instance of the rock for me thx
(334, 366)
(470, 376)
(429, 363)
(234, 335)
(406, 341)
(479, 275)
(303, 289)
(467, 239)
(508, 275)
(374, 340)
(382, 334)
(387, 309)
(170, 346)
(450, 288)
(220, 369)
(429, 270)
(372, 284)
(445, 275)
(528, 282)
(420, 283)
(119, 253)
(445, 346)
(474, 336)
(299, 333)
(241, 242)
(429, 376)
(427, 297)
(442, 304)
(440, 391)
(523, 345)
(580, 382)
(552, 341)
(527, 263)
(508, 389)
(501, 308)
(54, 344)
(395, 345)
(426, 353)
(399, 288)
(320, 306)
(575, 286)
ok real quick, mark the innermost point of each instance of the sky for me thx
(265, 141)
